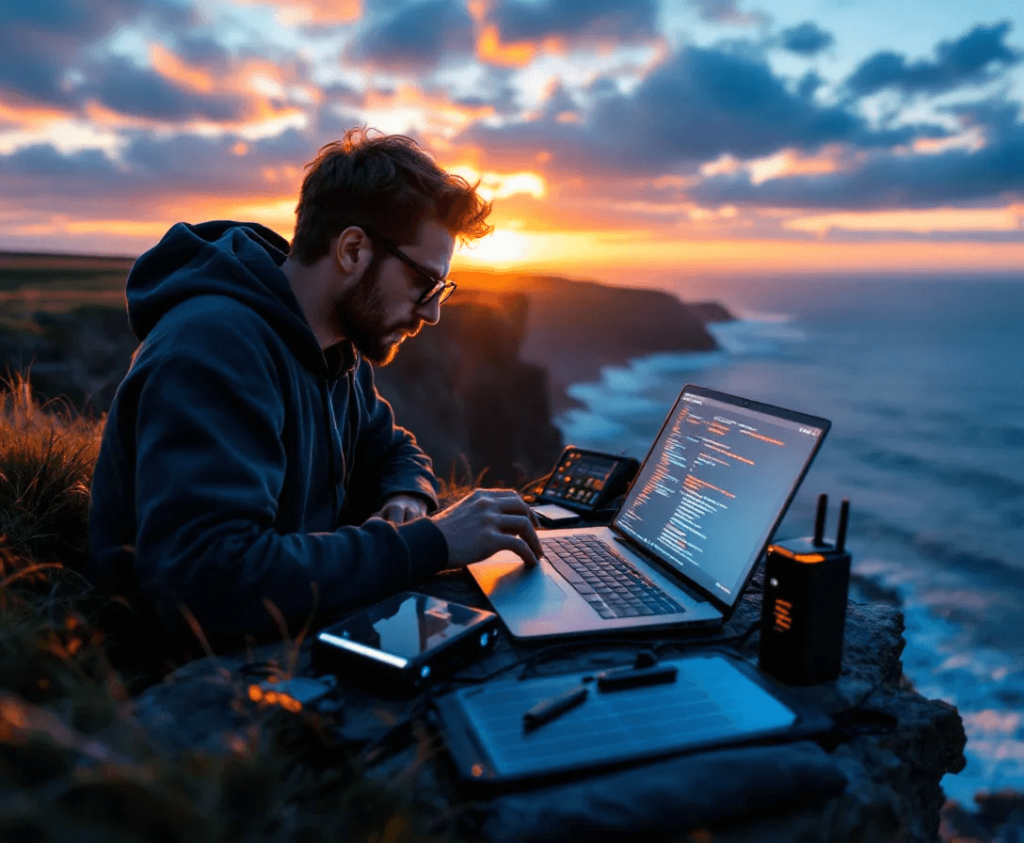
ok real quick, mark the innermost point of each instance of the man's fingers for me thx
(520, 525)
(519, 547)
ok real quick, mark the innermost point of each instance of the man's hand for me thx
(401, 508)
(485, 522)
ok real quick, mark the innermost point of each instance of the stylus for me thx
(549, 709)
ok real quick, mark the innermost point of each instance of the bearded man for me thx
(247, 458)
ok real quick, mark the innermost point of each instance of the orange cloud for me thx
(790, 162)
(433, 114)
(171, 67)
(925, 221)
(29, 115)
(299, 12)
(490, 50)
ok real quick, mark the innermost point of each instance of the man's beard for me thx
(360, 315)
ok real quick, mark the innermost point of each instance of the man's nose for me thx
(431, 311)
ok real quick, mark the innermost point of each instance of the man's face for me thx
(379, 311)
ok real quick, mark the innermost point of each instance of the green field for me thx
(31, 282)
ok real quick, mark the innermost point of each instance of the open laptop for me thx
(683, 544)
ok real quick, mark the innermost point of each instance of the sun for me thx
(499, 247)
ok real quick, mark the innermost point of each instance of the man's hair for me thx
(384, 181)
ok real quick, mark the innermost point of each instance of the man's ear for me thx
(352, 250)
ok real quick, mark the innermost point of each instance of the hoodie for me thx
(239, 462)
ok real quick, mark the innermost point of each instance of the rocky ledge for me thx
(893, 749)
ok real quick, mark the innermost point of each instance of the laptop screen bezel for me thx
(723, 606)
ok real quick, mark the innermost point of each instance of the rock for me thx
(893, 791)
(466, 393)
(710, 311)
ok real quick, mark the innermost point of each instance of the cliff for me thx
(574, 328)
(462, 387)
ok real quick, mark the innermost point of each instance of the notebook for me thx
(684, 542)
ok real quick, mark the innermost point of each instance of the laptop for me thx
(684, 542)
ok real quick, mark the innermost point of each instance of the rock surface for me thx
(893, 791)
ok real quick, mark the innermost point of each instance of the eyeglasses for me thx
(436, 286)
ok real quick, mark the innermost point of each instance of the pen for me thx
(551, 708)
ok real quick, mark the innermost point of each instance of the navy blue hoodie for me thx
(239, 462)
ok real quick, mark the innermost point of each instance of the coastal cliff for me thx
(574, 328)
(479, 390)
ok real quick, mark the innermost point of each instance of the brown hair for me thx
(384, 181)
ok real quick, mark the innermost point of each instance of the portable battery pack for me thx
(408, 641)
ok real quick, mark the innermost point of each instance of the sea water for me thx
(923, 381)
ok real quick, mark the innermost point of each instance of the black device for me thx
(408, 640)
(583, 482)
(806, 582)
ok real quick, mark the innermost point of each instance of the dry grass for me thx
(74, 764)
(47, 457)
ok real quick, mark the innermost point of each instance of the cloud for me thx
(700, 104)
(576, 20)
(416, 38)
(891, 180)
(806, 39)
(977, 56)
(128, 89)
(727, 11)
(41, 42)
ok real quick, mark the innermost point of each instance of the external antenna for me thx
(819, 521)
(844, 516)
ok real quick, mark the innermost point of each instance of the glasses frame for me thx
(438, 286)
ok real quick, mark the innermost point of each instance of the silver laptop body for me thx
(696, 519)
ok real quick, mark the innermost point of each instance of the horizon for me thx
(652, 136)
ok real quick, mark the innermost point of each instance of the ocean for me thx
(923, 381)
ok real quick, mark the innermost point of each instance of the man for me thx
(247, 457)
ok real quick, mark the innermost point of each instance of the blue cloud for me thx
(416, 38)
(700, 104)
(806, 39)
(42, 43)
(129, 89)
(886, 180)
(977, 56)
(623, 20)
(727, 11)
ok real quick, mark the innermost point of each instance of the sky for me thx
(615, 137)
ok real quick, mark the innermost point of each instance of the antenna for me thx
(819, 521)
(844, 516)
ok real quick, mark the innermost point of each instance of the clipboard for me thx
(716, 700)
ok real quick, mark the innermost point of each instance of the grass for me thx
(74, 764)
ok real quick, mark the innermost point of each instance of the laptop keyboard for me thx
(605, 580)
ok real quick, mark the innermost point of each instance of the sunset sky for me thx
(614, 136)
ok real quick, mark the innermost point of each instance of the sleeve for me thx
(388, 461)
(209, 469)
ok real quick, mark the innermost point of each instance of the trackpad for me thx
(511, 585)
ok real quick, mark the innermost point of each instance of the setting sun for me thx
(501, 247)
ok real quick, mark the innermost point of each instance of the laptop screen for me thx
(716, 484)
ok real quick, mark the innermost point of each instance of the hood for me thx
(240, 260)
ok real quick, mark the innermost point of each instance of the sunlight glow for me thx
(918, 222)
(500, 248)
